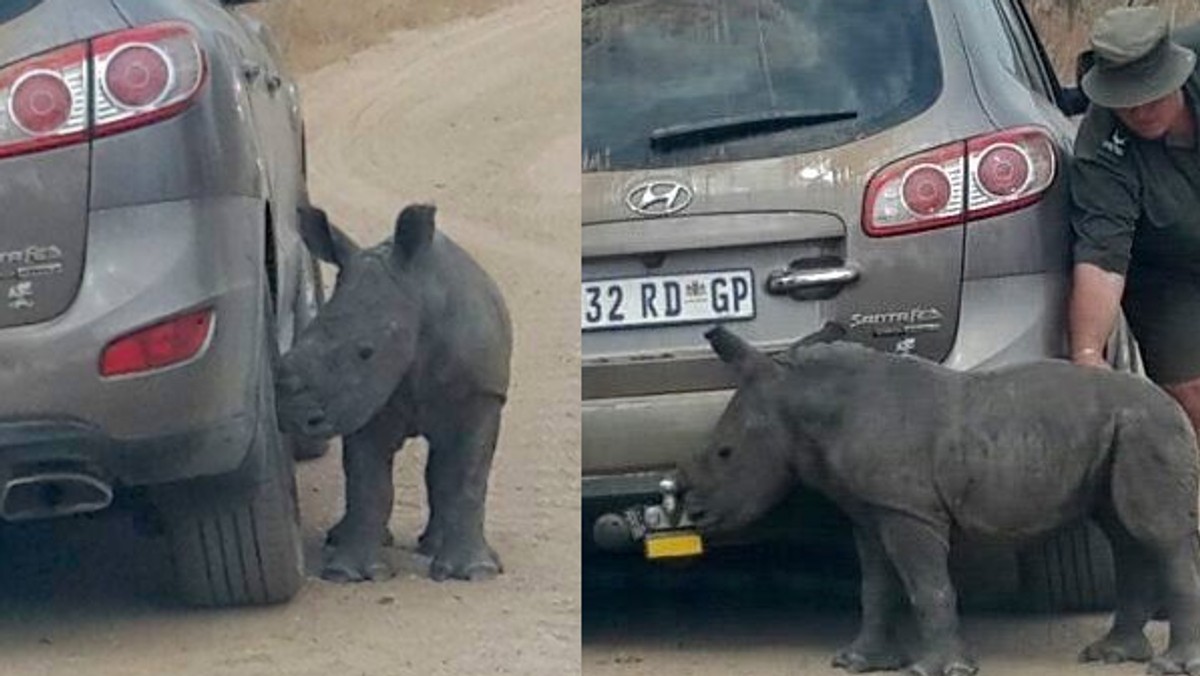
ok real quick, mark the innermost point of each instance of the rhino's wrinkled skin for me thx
(910, 449)
(415, 341)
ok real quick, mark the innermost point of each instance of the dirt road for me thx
(472, 114)
(753, 614)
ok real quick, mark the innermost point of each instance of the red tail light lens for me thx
(41, 102)
(926, 190)
(160, 345)
(961, 181)
(44, 102)
(1003, 170)
(145, 74)
(137, 76)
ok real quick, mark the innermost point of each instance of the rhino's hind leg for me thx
(1181, 576)
(1137, 594)
(456, 480)
(920, 553)
(358, 539)
(875, 648)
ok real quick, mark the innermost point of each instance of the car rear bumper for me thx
(630, 442)
(144, 264)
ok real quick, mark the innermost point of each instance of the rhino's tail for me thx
(1155, 473)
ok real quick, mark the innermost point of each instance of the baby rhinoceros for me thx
(415, 341)
(910, 449)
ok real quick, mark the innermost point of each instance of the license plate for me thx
(663, 300)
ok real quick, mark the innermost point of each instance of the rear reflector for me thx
(966, 180)
(163, 344)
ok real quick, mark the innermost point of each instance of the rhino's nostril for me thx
(316, 421)
(366, 352)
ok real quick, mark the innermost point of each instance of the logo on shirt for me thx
(1116, 143)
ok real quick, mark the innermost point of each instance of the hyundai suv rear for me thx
(150, 270)
(896, 167)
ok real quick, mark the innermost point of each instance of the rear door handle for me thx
(790, 281)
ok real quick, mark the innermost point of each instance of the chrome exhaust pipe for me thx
(44, 495)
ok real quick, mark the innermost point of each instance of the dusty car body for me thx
(151, 167)
(894, 167)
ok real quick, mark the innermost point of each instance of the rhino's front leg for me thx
(456, 478)
(920, 553)
(358, 539)
(875, 649)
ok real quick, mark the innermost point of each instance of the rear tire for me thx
(244, 548)
(1070, 571)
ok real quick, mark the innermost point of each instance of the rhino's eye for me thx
(725, 453)
(365, 352)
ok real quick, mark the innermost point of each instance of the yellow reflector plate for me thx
(673, 544)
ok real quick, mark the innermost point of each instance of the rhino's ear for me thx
(414, 230)
(740, 354)
(322, 238)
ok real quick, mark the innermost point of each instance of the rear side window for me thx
(680, 82)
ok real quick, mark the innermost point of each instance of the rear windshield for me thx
(679, 82)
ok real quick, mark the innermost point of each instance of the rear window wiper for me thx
(735, 126)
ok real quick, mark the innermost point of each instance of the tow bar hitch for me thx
(662, 529)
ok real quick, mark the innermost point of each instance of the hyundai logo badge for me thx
(659, 198)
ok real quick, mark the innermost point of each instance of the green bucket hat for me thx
(1136, 61)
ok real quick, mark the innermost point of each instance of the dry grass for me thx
(1063, 25)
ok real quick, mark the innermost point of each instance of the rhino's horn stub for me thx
(414, 229)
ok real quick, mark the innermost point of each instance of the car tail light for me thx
(145, 74)
(163, 344)
(1009, 170)
(44, 102)
(142, 75)
(961, 181)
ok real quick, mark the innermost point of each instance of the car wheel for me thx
(308, 305)
(245, 549)
(1070, 571)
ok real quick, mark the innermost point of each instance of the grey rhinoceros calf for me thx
(415, 341)
(910, 449)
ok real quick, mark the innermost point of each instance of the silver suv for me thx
(896, 167)
(151, 169)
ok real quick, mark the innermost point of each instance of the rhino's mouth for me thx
(300, 411)
(702, 515)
